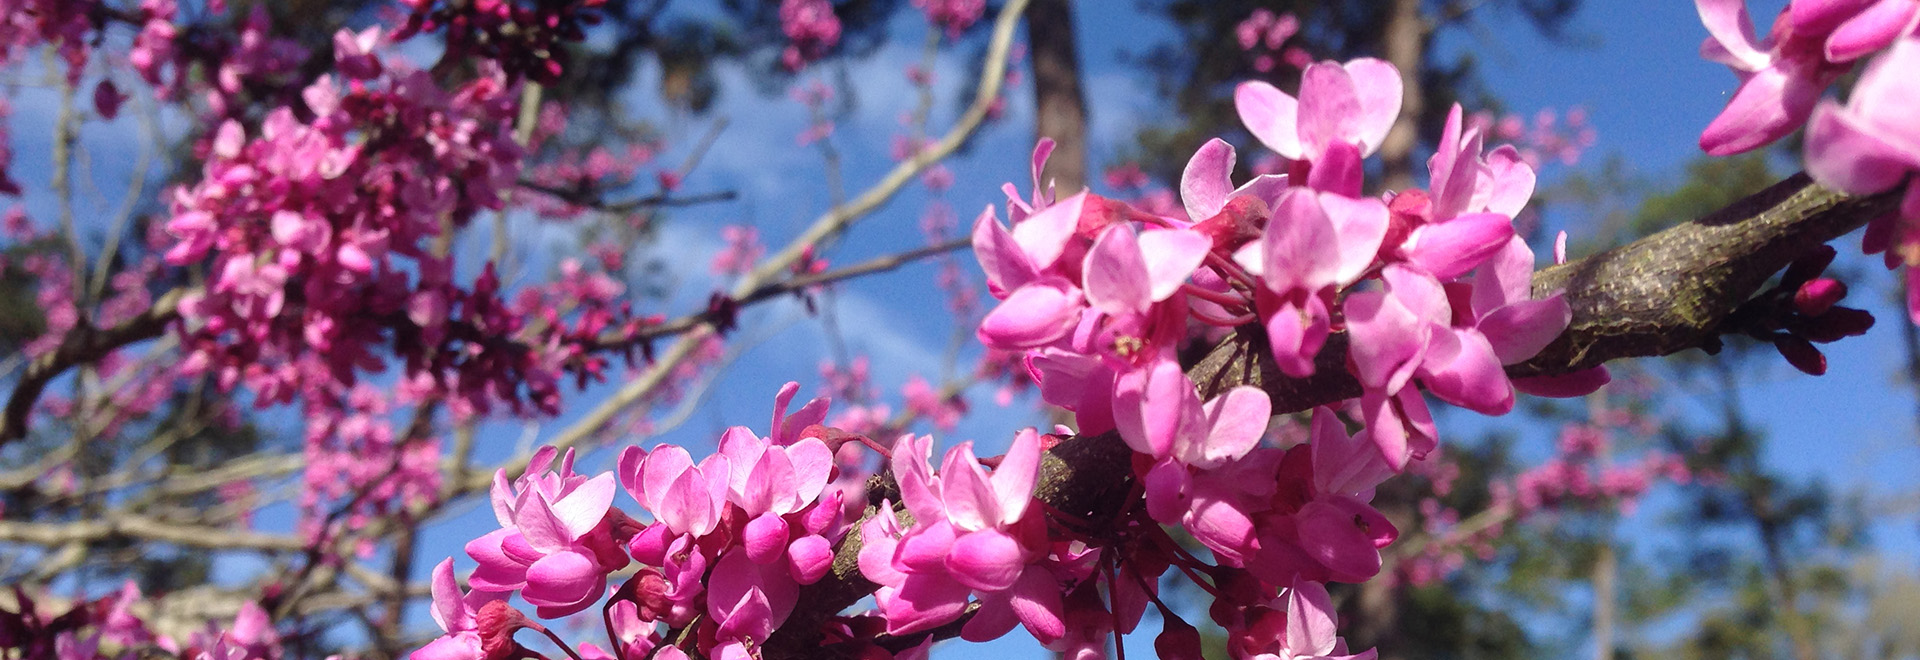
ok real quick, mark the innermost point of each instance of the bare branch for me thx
(128, 526)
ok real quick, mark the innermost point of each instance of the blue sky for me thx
(1633, 65)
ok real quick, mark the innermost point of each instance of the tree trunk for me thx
(1605, 569)
(1405, 45)
(1060, 109)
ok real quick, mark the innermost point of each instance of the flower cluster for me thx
(324, 235)
(724, 545)
(1549, 136)
(1869, 145)
(954, 16)
(63, 23)
(1431, 287)
(123, 625)
(812, 29)
(525, 38)
(1263, 36)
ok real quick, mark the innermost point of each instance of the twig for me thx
(585, 197)
(83, 344)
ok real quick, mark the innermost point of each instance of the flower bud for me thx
(497, 622)
(1817, 296)
(1801, 354)
(1178, 640)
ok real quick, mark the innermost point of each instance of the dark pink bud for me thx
(653, 595)
(1177, 640)
(1809, 267)
(1817, 296)
(1837, 323)
(107, 99)
(1801, 354)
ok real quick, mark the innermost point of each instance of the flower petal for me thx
(1035, 315)
(1115, 274)
(1329, 107)
(1310, 623)
(1171, 257)
(1449, 249)
(1271, 116)
(1521, 330)
(1379, 87)
(1043, 236)
(1014, 478)
(988, 560)
(1728, 22)
(1769, 104)
(1236, 420)
(1207, 180)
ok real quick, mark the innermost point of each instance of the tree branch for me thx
(81, 345)
(196, 536)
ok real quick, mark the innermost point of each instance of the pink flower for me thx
(1782, 76)
(770, 482)
(1392, 330)
(1346, 107)
(742, 250)
(685, 499)
(812, 29)
(1464, 181)
(1311, 633)
(1159, 413)
(457, 615)
(1871, 144)
(955, 16)
(1127, 273)
(556, 546)
(1206, 183)
(749, 600)
(1344, 464)
(353, 52)
(1037, 307)
(1316, 244)
(1854, 28)
(972, 534)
